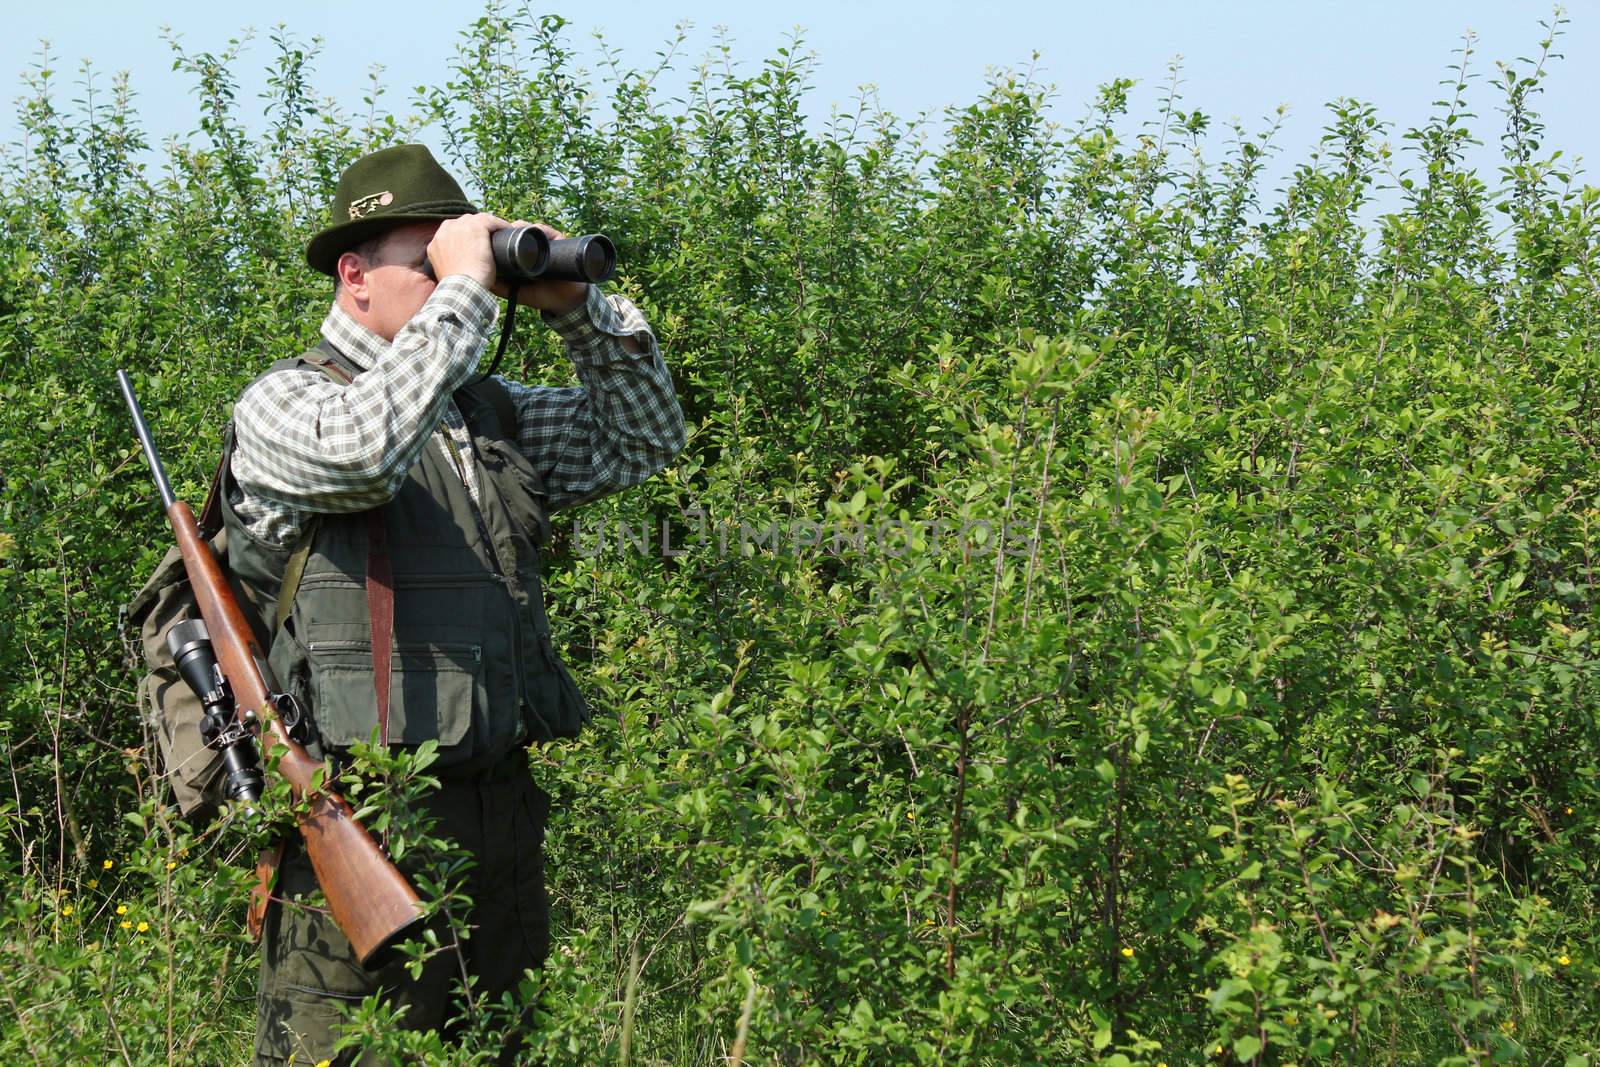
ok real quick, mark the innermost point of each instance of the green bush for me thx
(1115, 613)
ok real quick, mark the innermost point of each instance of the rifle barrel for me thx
(142, 428)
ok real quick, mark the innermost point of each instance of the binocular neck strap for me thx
(505, 335)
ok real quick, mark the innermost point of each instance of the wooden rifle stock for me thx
(370, 899)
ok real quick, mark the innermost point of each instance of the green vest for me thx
(472, 667)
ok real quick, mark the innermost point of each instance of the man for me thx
(396, 504)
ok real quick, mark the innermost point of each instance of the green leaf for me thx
(1102, 1029)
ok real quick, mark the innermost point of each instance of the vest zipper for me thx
(487, 485)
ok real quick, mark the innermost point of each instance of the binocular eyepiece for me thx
(190, 645)
(523, 254)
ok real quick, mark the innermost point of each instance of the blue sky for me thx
(1240, 59)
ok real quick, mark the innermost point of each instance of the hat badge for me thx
(366, 205)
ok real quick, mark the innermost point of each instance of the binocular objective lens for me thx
(597, 260)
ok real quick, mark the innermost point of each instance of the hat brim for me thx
(323, 250)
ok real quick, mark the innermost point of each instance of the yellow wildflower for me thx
(143, 926)
(94, 883)
(171, 864)
(107, 865)
(911, 815)
(324, 1063)
(67, 910)
(122, 909)
(1563, 959)
(125, 924)
(1127, 950)
(1569, 809)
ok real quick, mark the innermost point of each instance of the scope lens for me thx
(190, 647)
(186, 637)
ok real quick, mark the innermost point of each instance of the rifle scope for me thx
(190, 645)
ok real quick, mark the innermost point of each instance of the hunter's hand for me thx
(461, 246)
(552, 296)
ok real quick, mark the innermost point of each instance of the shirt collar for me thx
(359, 344)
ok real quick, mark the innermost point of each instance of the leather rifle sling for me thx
(267, 864)
(380, 608)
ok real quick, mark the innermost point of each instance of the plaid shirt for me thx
(304, 445)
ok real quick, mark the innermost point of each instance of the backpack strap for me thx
(292, 570)
(330, 362)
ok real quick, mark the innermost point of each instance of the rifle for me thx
(369, 898)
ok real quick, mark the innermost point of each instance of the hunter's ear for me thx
(351, 271)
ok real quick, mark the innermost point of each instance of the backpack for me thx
(171, 710)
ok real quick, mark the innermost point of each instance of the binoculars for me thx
(523, 254)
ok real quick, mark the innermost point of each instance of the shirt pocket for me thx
(435, 690)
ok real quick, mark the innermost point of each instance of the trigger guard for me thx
(293, 714)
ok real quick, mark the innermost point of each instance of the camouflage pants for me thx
(309, 973)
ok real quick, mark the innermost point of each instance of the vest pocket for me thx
(520, 488)
(554, 696)
(434, 687)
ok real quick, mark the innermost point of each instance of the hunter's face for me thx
(397, 286)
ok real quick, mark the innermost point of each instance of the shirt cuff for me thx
(470, 303)
(596, 319)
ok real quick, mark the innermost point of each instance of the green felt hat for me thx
(388, 188)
